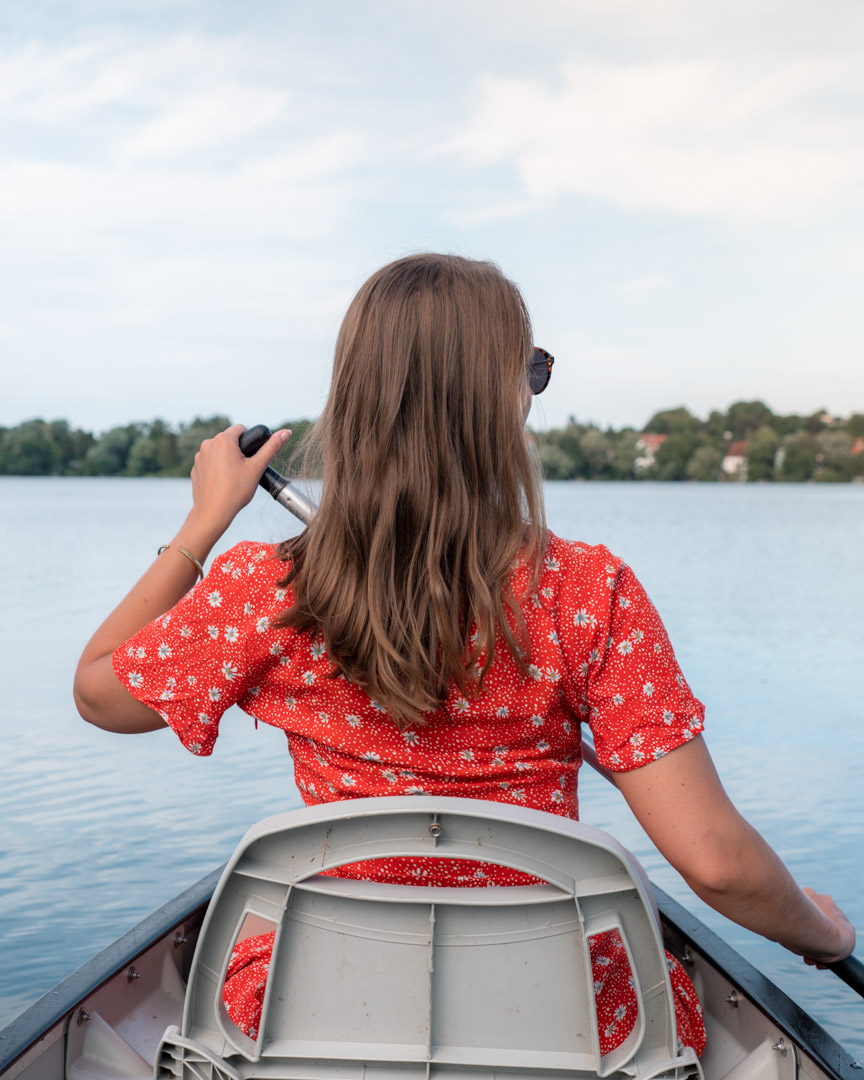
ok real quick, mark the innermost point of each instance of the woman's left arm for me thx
(680, 803)
(223, 482)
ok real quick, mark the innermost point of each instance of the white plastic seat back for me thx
(371, 980)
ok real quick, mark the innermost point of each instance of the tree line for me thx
(746, 442)
(154, 448)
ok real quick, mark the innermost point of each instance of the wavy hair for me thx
(430, 491)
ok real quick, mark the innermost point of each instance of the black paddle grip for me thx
(251, 442)
(851, 971)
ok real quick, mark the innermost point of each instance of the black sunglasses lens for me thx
(540, 371)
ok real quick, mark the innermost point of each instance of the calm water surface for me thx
(761, 589)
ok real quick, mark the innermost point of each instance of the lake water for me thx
(761, 589)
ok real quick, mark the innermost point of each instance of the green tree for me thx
(717, 424)
(706, 464)
(557, 464)
(569, 439)
(72, 445)
(834, 456)
(746, 417)
(166, 446)
(192, 435)
(109, 455)
(624, 453)
(761, 453)
(787, 425)
(796, 458)
(154, 452)
(597, 454)
(569, 447)
(566, 461)
(855, 425)
(143, 459)
(30, 450)
(673, 456)
(290, 460)
(678, 421)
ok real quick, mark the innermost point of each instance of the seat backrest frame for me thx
(277, 866)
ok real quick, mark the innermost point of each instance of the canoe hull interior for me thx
(112, 1028)
(48, 1038)
(372, 980)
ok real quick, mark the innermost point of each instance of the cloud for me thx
(708, 139)
(190, 190)
(205, 120)
(50, 83)
(300, 192)
(114, 137)
(171, 205)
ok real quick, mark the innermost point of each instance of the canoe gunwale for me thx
(813, 1039)
(23, 1032)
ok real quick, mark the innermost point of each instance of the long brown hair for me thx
(429, 490)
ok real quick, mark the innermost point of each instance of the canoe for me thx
(108, 1018)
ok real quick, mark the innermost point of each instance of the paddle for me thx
(273, 483)
(850, 970)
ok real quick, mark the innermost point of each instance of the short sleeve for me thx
(623, 675)
(190, 665)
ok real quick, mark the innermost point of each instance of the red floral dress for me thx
(599, 654)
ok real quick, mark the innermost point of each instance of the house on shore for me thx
(647, 445)
(734, 464)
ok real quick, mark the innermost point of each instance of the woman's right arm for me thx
(223, 481)
(682, 806)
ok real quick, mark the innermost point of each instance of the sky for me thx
(191, 192)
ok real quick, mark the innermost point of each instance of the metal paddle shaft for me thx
(850, 970)
(282, 490)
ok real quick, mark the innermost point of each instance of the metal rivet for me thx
(434, 829)
(733, 999)
(179, 939)
(780, 1047)
(132, 974)
(688, 957)
(83, 1017)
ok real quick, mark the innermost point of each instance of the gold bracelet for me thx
(198, 567)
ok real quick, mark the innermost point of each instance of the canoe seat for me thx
(371, 981)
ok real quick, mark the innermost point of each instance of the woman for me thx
(427, 634)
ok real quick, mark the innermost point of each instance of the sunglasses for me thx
(540, 370)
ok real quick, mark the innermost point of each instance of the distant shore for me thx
(745, 443)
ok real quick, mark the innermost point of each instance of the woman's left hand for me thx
(844, 930)
(224, 480)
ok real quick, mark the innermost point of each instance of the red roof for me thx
(652, 441)
(737, 449)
